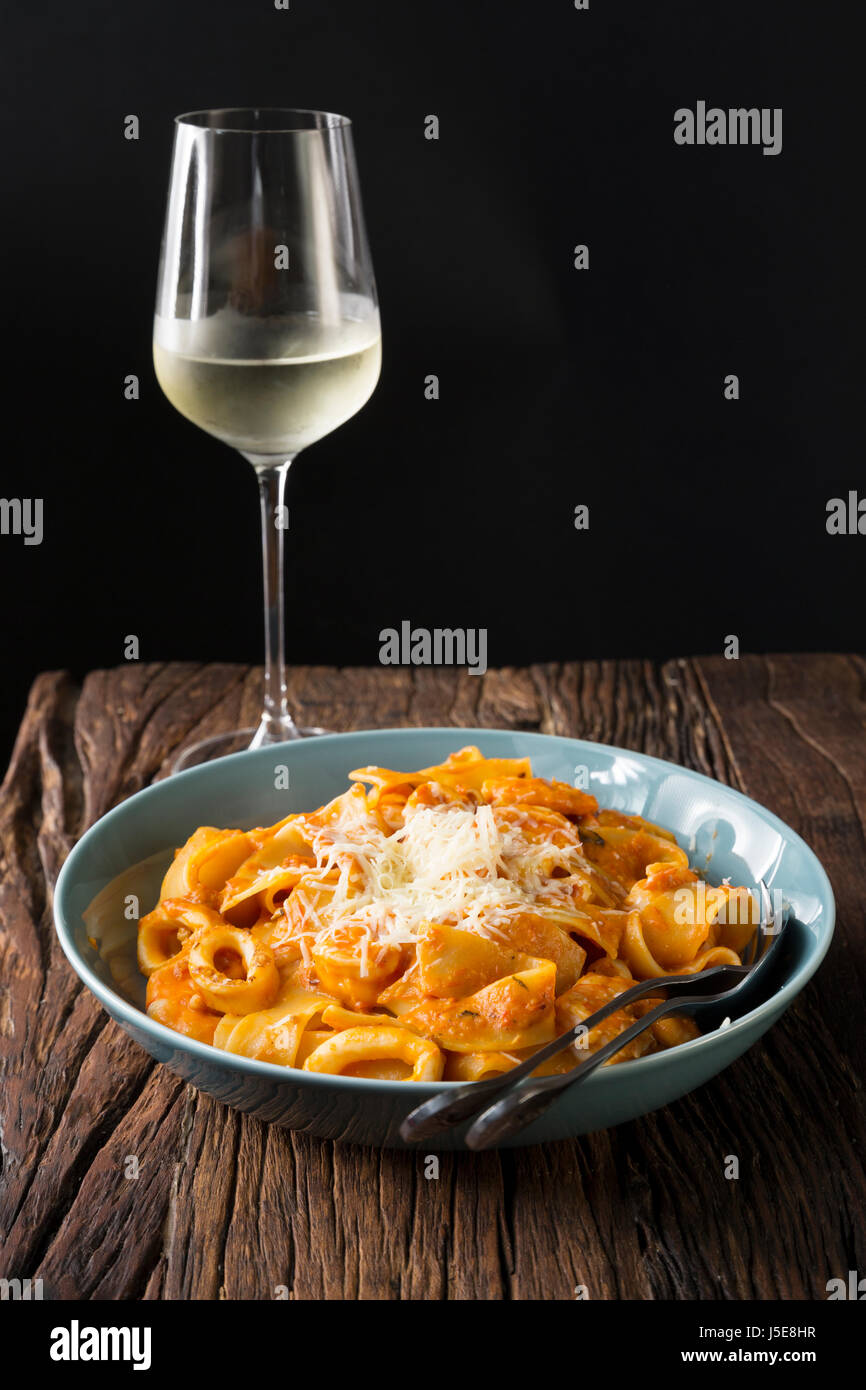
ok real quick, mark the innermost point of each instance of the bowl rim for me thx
(115, 1003)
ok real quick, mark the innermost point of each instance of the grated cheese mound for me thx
(446, 864)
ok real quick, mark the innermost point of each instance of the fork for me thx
(518, 1104)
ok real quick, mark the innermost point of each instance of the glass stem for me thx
(277, 725)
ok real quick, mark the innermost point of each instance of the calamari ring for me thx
(379, 1044)
(163, 933)
(255, 989)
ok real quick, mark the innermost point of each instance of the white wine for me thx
(267, 386)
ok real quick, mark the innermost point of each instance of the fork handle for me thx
(450, 1108)
(522, 1104)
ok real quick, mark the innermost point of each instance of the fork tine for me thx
(757, 943)
(749, 951)
(768, 915)
(768, 931)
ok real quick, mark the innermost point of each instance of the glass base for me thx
(220, 745)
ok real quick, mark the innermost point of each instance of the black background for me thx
(558, 387)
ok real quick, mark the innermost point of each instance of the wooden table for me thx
(226, 1207)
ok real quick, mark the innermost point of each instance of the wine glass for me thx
(266, 332)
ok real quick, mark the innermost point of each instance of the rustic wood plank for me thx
(224, 1206)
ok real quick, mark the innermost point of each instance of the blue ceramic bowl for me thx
(126, 853)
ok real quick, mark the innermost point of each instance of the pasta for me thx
(444, 923)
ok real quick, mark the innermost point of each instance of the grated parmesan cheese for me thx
(446, 864)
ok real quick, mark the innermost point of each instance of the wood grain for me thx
(225, 1207)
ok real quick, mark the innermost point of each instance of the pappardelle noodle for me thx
(436, 924)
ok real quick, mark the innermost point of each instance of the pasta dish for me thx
(436, 924)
